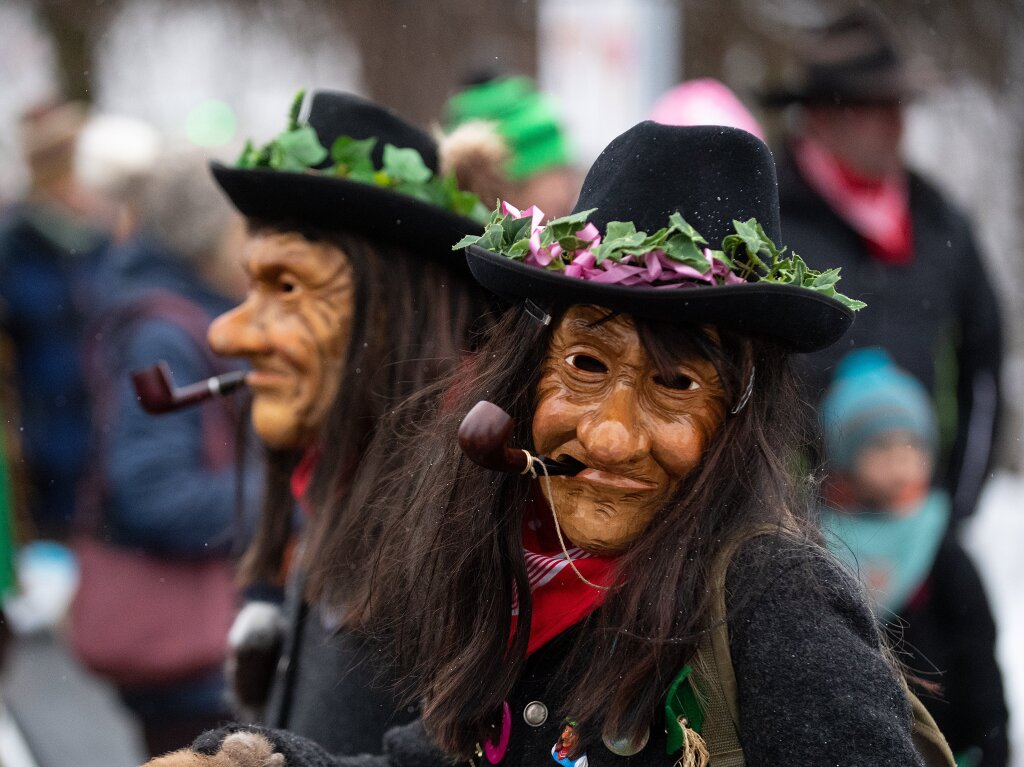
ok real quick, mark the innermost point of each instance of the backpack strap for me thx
(714, 684)
(928, 739)
(714, 679)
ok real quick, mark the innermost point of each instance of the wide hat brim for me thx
(797, 318)
(338, 204)
(895, 87)
(852, 60)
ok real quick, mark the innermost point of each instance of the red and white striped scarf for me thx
(559, 598)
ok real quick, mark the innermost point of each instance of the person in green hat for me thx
(538, 165)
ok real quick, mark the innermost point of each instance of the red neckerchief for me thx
(877, 209)
(559, 598)
(302, 475)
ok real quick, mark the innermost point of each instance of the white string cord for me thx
(532, 462)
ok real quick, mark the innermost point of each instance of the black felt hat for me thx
(711, 175)
(333, 203)
(853, 60)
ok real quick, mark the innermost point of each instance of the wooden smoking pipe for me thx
(157, 393)
(484, 435)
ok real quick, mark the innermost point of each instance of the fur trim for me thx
(477, 154)
(240, 749)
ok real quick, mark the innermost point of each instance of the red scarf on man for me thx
(877, 209)
(560, 599)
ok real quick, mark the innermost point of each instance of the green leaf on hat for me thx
(296, 109)
(557, 228)
(519, 249)
(465, 242)
(353, 157)
(681, 247)
(826, 279)
(299, 149)
(492, 238)
(405, 164)
(618, 230)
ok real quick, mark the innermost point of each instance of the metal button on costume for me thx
(625, 746)
(535, 713)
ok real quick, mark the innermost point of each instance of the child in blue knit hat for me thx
(883, 516)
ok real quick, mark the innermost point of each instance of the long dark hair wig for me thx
(440, 550)
(415, 320)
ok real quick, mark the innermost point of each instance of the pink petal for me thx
(585, 258)
(617, 273)
(535, 243)
(543, 257)
(536, 214)
(654, 265)
(508, 209)
(590, 234)
(689, 273)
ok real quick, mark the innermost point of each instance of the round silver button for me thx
(624, 746)
(535, 713)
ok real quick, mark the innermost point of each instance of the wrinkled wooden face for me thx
(294, 329)
(602, 401)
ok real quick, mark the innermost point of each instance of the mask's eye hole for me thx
(679, 382)
(586, 363)
(286, 285)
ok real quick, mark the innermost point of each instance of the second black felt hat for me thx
(327, 201)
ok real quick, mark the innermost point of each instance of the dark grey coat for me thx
(328, 686)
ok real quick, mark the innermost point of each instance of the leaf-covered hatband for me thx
(297, 149)
(675, 256)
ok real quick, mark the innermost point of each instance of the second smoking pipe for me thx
(484, 435)
(157, 393)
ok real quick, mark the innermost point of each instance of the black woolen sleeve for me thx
(813, 686)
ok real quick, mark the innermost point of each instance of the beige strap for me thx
(928, 740)
(716, 680)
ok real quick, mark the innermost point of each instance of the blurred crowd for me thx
(123, 250)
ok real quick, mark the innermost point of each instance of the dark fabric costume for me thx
(327, 685)
(937, 307)
(813, 686)
(948, 628)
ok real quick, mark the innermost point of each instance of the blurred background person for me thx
(49, 247)
(704, 101)
(885, 518)
(538, 168)
(902, 247)
(159, 505)
(8, 577)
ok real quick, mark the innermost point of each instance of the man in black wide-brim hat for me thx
(846, 195)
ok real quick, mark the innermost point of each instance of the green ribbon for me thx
(681, 703)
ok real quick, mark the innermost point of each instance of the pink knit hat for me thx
(704, 102)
